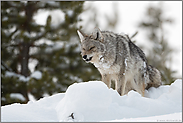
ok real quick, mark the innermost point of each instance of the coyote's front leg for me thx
(121, 84)
(106, 78)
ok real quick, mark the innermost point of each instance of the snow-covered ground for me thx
(93, 101)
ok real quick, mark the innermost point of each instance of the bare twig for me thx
(134, 35)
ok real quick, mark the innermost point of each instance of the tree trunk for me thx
(25, 59)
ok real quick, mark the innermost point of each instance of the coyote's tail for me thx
(154, 77)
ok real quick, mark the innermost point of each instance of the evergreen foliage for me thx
(59, 62)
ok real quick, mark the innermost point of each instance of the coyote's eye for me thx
(83, 48)
(92, 47)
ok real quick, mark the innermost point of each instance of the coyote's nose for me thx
(85, 56)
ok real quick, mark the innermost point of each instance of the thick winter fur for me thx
(119, 59)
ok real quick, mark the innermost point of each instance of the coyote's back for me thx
(119, 59)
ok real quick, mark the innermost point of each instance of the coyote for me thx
(117, 58)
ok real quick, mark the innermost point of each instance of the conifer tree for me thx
(160, 52)
(60, 63)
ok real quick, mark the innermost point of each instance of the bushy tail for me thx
(154, 77)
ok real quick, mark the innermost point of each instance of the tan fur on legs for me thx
(106, 79)
(143, 91)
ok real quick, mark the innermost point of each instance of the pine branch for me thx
(13, 33)
(5, 66)
(39, 37)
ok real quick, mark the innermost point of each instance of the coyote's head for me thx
(92, 47)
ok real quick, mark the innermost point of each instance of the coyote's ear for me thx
(81, 35)
(98, 35)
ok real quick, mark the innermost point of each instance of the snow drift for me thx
(93, 101)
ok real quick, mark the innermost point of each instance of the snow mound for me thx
(93, 101)
(86, 101)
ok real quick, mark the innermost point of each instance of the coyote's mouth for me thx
(87, 59)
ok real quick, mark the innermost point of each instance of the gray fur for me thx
(119, 59)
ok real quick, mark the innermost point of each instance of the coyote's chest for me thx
(107, 69)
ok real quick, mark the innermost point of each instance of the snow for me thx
(70, 13)
(55, 46)
(52, 3)
(17, 96)
(21, 77)
(57, 17)
(36, 75)
(31, 98)
(175, 117)
(93, 101)
(126, 65)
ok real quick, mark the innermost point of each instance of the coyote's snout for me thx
(119, 59)
(85, 57)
